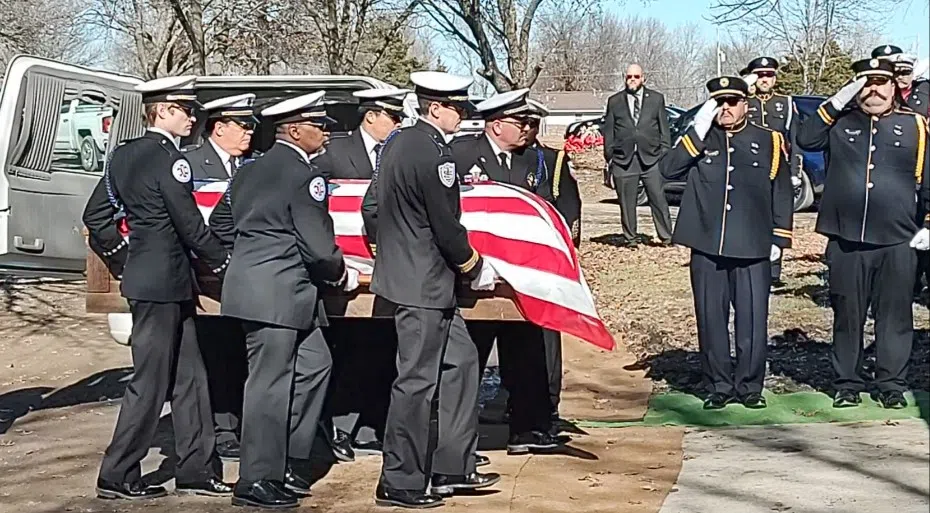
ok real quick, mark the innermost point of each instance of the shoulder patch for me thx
(318, 188)
(181, 170)
(447, 173)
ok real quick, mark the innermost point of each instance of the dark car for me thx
(807, 187)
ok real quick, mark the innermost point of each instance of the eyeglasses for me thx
(187, 111)
(876, 81)
(395, 118)
(903, 72)
(732, 101)
(633, 76)
(765, 74)
(521, 123)
(246, 126)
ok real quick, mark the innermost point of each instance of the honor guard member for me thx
(361, 405)
(500, 154)
(914, 94)
(230, 124)
(566, 198)
(778, 112)
(423, 251)
(736, 218)
(354, 156)
(874, 215)
(285, 251)
(148, 181)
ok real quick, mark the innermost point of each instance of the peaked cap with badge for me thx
(442, 87)
(306, 108)
(873, 67)
(761, 64)
(504, 105)
(178, 90)
(238, 107)
(886, 51)
(722, 87)
(387, 100)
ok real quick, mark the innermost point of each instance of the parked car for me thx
(807, 187)
(83, 130)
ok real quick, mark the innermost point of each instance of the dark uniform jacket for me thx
(738, 201)
(345, 158)
(206, 164)
(152, 180)
(221, 220)
(565, 194)
(874, 167)
(777, 112)
(649, 137)
(104, 237)
(284, 245)
(422, 248)
(919, 99)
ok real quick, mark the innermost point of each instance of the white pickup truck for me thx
(83, 130)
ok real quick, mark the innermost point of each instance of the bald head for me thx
(634, 77)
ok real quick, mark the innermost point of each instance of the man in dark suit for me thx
(230, 125)
(635, 138)
(285, 252)
(355, 156)
(365, 347)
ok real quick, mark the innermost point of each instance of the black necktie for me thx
(503, 157)
(635, 109)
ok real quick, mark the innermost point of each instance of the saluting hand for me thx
(705, 117)
(750, 79)
(847, 93)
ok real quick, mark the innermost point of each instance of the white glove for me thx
(750, 79)
(705, 117)
(486, 277)
(351, 282)
(920, 67)
(775, 253)
(847, 93)
(921, 241)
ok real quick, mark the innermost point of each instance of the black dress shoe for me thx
(892, 400)
(342, 446)
(297, 482)
(482, 460)
(228, 450)
(367, 448)
(129, 491)
(445, 485)
(846, 399)
(212, 487)
(718, 401)
(753, 400)
(263, 494)
(522, 443)
(414, 499)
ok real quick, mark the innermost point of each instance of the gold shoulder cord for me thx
(558, 173)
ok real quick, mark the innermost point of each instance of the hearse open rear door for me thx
(57, 125)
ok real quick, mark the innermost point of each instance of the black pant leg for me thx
(156, 330)
(222, 343)
(652, 182)
(626, 183)
(409, 438)
(312, 368)
(709, 284)
(522, 344)
(266, 412)
(191, 415)
(750, 282)
(458, 404)
(850, 294)
(894, 316)
(553, 341)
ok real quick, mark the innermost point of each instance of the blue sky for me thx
(909, 22)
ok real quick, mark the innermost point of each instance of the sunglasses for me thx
(903, 72)
(765, 74)
(395, 118)
(188, 111)
(246, 126)
(732, 101)
(877, 81)
(633, 76)
(522, 123)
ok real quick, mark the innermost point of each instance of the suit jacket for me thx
(345, 157)
(285, 243)
(206, 164)
(622, 137)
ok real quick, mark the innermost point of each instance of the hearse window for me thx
(68, 125)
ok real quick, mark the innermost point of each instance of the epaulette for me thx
(466, 137)
(189, 147)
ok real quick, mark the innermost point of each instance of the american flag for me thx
(523, 237)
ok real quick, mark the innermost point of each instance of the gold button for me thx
(871, 166)
(870, 185)
(874, 118)
(874, 130)
(729, 207)
(872, 148)
(729, 168)
(729, 187)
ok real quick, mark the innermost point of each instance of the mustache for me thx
(875, 94)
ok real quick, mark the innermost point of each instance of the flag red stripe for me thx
(524, 254)
(558, 318)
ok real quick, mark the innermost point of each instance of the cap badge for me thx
(873, 63)
(887, 50)
(765, 61)
(724, 82)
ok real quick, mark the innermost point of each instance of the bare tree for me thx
(499, 33)
(46, 29)
(804, 29)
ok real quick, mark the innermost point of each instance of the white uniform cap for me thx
(307, 107)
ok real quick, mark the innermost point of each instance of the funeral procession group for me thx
(271, 241)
